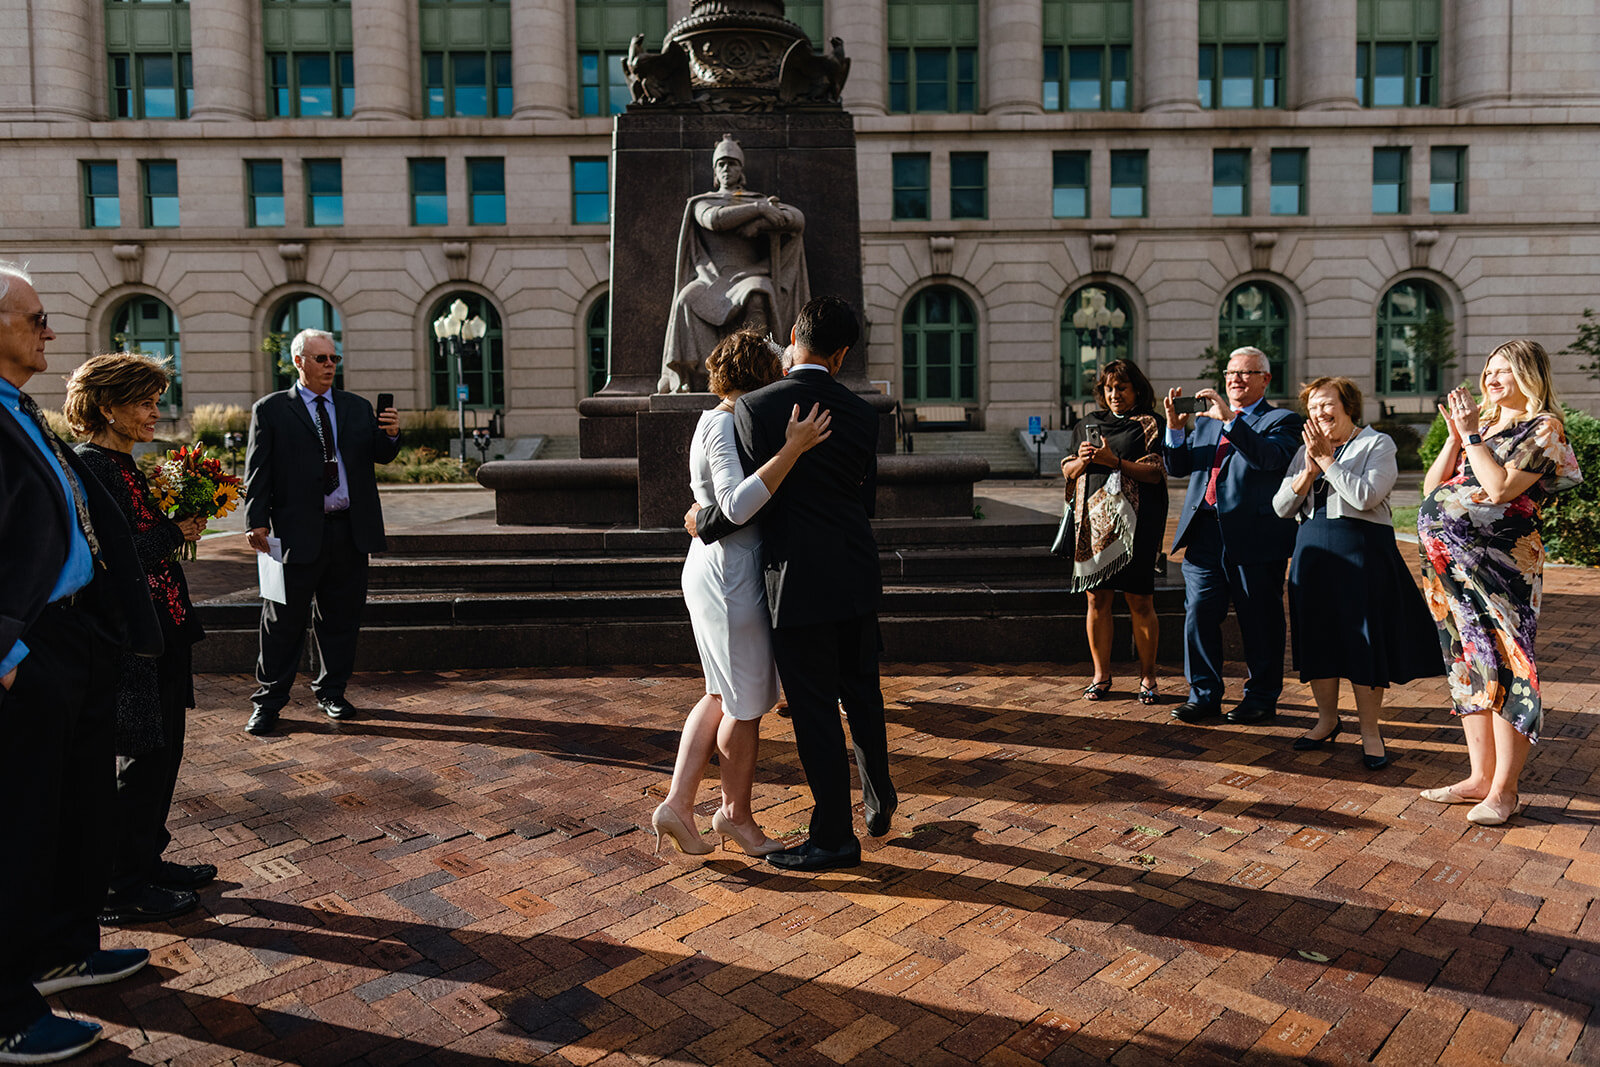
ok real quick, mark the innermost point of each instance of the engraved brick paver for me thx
(466, 876)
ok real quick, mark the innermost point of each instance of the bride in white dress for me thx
(726, 594)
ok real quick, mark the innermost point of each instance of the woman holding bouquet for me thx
(113, 401)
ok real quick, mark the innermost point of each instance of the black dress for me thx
(1354, 609)
(1101, 521)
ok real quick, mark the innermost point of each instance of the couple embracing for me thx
(782, 582)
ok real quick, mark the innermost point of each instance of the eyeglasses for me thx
(1241, 373)
(319, 358)
(40, 319)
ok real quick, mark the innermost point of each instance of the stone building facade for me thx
(1317, 176)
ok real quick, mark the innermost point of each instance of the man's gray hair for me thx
(10, 270)
(1252, 350)
(297, 347)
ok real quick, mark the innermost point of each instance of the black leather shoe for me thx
(1378, 762)
(261, 722)
(147, 904)
(183, 875)
(1311, 744)
(1191, 712)
(338, 708)
(809, 857)
(1246, 714)
(878, 821)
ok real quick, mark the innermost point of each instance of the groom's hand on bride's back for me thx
(689, 520)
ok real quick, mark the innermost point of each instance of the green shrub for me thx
(426, 466)
(1433, 443)
(208, 422)
(1406, 442)
(432, 428)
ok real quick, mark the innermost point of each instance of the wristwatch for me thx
(1474, 439)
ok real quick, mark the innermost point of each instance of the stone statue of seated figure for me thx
(741, 266)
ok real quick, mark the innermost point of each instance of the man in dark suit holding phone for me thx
(309, 481)
(1235, 453)
(823, 582)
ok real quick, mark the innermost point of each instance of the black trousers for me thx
(822, 666)
(327, 595)
(57, 794)
(146, 782)
(1211, 581)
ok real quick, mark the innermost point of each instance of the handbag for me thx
(1066, 540)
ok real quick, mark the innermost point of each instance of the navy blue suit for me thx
(1237, 551)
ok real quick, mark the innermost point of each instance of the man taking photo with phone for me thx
(309, 483)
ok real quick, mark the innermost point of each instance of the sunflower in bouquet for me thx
(189, 483)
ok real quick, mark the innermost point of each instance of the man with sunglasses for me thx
(1236, 548)
(309, 482)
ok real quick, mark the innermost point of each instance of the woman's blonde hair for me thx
(108, 381)
(1530, 368)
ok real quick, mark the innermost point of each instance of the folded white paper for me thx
(269, 571)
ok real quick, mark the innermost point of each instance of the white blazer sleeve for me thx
(1286, 501)
(738, 497)
(1365, 479)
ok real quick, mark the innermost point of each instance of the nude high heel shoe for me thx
(684, 837)
(725, 826)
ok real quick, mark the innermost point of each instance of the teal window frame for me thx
(134, 93)
(297, 36)
(1130, 171)
(591, 190)
(969, 185)
(1069, 184)
(158, 186)
(597, 343)
(296, 312)
(1391, 181)
(1447, 180)
(146, 324)
(597, 95)
(1288, 169)
(445, 95)
(486, 191)
(486, 375)
(1081, 358)
(1230, 182)
(918, 85)
(912, 193)
(1404, 307)
(430, 191)
(1261, 320)
(939, 340)
(324, 192)
(1397, 53)
(1243, 54)
(1069, 87)
(602, 32)
(288, 86)
(102, 204)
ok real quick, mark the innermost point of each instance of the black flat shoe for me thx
(878, 819)
(809, 857)
(1311, 744)
(147, 904)
(1191, 712)
(183, 875)
(1375, 763)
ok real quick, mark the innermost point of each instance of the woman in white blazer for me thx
(1355, 610)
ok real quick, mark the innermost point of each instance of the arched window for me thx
(1096, 328)
(597, 342)
(1257, 314)
(145, 324)
(939, 347)
(1405, 365)
(301, 311)
(484, 372)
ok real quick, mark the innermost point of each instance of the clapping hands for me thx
(1460, 413)
(1319, 446)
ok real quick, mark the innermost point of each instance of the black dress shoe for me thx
(878, 821)
(147, 904)
(1247, 713)
(183, 875)
(809, 857)
(261, 722)
(338, 708)
(1378, 762)
(1191, 712)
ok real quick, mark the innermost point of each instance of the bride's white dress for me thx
(723, 583)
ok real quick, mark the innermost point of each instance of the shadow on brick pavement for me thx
(462, 878)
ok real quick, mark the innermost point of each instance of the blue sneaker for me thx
(103, 965)
(49, 1039)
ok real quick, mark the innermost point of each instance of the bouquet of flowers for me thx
(189, 483)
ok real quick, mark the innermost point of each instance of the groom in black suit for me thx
(309, 481)
(823, 583)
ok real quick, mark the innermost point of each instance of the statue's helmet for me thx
(728, 148)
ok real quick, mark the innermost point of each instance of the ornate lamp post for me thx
(459, 337)
(1097, 321)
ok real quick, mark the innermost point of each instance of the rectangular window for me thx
(912, 199)
(160, 180)
(1069, 197)
(1230, 181)
(933, 79)
(602, 85)
(969, 185)
(1127, 184)
(473, 84)
(1397, 73)
(1390, 192)
(601, 32)
(264, 187)
(311, 85)
(1288, 181)
(1447, 181)
(430, 201)
(1241, 75)
(1096, 78)
(157, 85)
(101, 208)
(591, 195)
(325, 192)
(486, 191)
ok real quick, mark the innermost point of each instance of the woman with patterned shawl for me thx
(1119, 496)
(1483, 565)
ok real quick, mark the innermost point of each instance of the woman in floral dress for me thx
(1483, 565)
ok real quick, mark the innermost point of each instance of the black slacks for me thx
(57, 795)
(822, 666)
(146, 782)
(327, 595)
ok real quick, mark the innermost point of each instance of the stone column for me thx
(226, 59)
(1476, 65)
(864, 26)
(1169, 67)
(65, 65)
(1322, 62)
(541, 58)
(1013, 57)
(388, 67)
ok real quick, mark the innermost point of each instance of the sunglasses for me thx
(335, 360)
(1241, 373)
(40, 319)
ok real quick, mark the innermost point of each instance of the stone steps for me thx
(1007, 458)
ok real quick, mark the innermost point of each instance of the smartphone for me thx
(1095, 438)
(385, 401)
(1189, 405)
